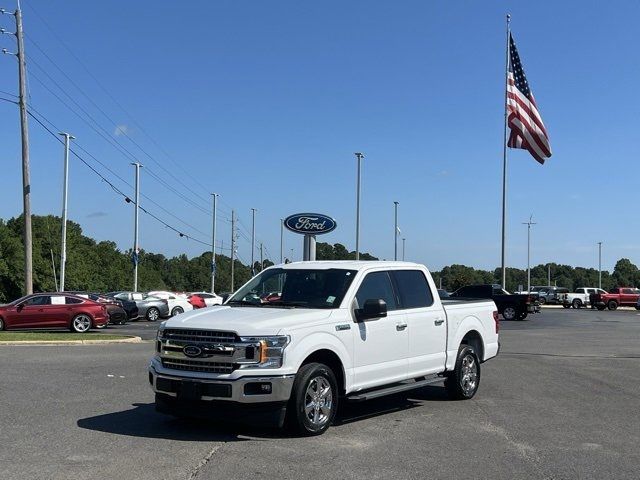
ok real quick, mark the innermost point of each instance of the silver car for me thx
(149, 307)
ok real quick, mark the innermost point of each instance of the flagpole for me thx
(504, 161)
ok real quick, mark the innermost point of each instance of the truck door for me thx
(426, 322)
(380, 345)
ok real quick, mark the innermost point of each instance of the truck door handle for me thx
(439, 321)
(401, 326)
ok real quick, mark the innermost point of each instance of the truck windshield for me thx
(295, 288)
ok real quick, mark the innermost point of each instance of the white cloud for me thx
(121, 130)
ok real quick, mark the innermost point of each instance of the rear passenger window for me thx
(72, 301)
(374, 286)
(413, 289)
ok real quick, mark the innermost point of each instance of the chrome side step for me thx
(397, 388)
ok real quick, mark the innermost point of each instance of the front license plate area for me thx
(190, 390)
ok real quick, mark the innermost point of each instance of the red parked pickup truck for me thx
(618, 297)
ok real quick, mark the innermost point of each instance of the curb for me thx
(70, 342)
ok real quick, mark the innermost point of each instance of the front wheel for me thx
(177, 311)
(463, 382)
(566, 305)
(1, 324)
(612, 305)
(314, 400)
(81, 323)
(153, 314)
(509, 313)
(542, 300)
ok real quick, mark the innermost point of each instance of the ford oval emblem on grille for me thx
(192, 351)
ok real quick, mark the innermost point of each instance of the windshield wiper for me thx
(243, 303)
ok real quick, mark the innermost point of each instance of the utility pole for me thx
(599, 264)
(65, 191)
(24, 131)
(528, 224)
(395, 232)
(213, 245)
(136, 247)
(403, 242)
(281, 239)
(549, 274)
(359, 156)
(261, 258)
(253, 239)
(233, 246)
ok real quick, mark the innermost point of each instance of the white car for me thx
(210, 299)
(177, 303)
(340, 331)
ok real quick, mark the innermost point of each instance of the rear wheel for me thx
(1, 324)
(509, 313)
(612, 305)
(81, 323)
(600, 307)
(542, 300)
(153, 314)
(577, 303)
(463, 382)
(177, 311)
(314, 400)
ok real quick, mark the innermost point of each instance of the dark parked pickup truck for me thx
(617, 297)
(510, 306)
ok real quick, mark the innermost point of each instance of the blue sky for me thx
(265, 103)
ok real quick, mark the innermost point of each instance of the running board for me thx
(403, 387)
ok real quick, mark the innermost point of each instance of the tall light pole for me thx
(253, 239)
(599, 264)
(136, 247)
(213, 244)
(528, 224)
(65, 186)
(281, 239)
(403, 242)
(395, 232)
(359, 156)
(233, 247)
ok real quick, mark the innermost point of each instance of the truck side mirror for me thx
(372, 309)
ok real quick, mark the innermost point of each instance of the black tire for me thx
(462, 383)
(542, 300)
(81, 323)
(612, 305)
(177, 311)
(566, 305)
(577, 303)
(1, 324)
(509, 312)
(637, 308)
(298, 417)
(153, 314)
(600, 307)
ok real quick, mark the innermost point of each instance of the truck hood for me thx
(248, 321)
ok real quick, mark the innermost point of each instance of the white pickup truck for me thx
(339, 330)
(579, 298)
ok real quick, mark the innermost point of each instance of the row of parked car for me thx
(81, 311)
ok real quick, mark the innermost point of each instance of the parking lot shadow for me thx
(144, 421)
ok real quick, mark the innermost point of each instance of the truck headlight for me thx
(161, 328)
(270, 352)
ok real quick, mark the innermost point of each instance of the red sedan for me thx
(53, 310)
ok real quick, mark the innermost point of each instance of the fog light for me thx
(257, 388)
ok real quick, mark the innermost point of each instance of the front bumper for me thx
(244, 390)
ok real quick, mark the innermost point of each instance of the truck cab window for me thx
(374, 286)
(413, 289)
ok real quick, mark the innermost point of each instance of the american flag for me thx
(524, 120)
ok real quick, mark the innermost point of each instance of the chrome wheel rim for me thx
(177, 310)
(509, 312)
(469, 374)
(153, 314)
(318, 402)
(81, 323)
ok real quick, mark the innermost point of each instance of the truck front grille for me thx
(199, 335)
(196, 366)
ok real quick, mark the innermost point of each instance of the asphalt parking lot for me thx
(560, 402)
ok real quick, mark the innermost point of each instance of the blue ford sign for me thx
(310, 223)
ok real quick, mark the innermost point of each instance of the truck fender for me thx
(306, 346)
(468, 324)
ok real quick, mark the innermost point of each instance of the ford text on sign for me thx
(310, 223)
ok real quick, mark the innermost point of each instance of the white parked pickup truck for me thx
(579, 298)
(339, 330)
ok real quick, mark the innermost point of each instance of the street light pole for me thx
(135, 228)
(359, 156)
(403, 241)
(395, 232)
(599, 264)
(528, 224)
(281, 239)
(253, 239)
(213, 244)
(65, 187)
